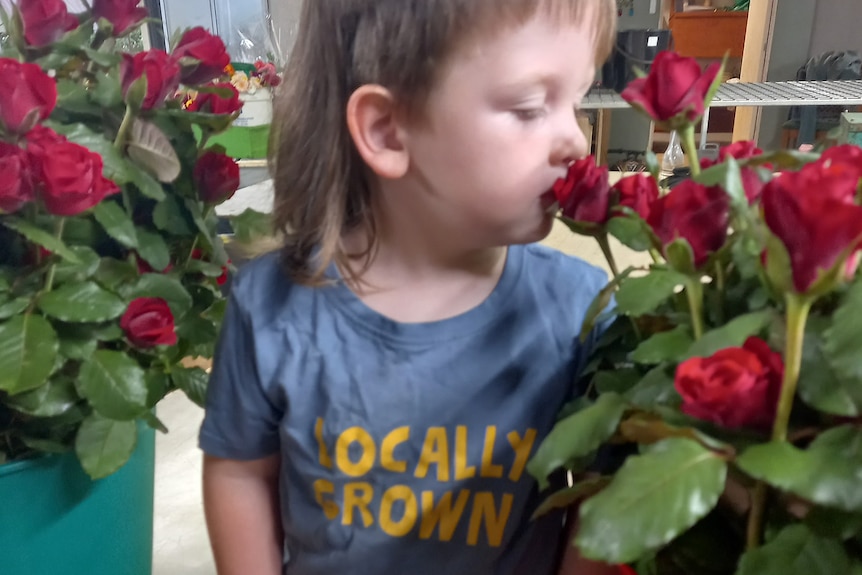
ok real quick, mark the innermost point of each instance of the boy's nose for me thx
(571, 144)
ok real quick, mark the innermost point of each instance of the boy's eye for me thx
(529, 113)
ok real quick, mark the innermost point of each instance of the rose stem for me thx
(125, 126)
(58, 233)
(694, 294)
(797, 314)
(605, 245)
(690, 148)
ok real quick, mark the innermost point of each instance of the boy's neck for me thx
(414, 279)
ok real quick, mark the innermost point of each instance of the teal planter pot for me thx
(54, 520)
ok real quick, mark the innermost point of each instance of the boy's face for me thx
(499, 130)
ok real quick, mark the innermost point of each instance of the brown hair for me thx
(322, 186)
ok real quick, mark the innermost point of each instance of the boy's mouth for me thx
(549, 202)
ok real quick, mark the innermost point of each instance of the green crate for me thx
(242, 142)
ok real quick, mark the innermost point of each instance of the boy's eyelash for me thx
(529, 114)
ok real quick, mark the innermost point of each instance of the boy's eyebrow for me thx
(544, 80)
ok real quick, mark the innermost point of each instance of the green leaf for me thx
(40, 237)
(161, 286)
(664, 346)
(796, 551)
(114, 219)
(89, 262)
(576, 436)
(600, 303)
(656, 388)
(631, 231)
(251, 225)
(822, 388)
(214, 122)
(153, 248)
(108, 92)
(114, 384)
(197, 330)
(104, 59)
(641, 295)
(84, 302)
(169, 216)
(833, 523)
(104, 445)
(112, 273)
(680, 256)
(732, 334)
(729, 176)
(193, 382)
(154, 422)
(13, 307)
(158, 385)
(565, 498)
(80, 349)
(147, 184)
(827, 473)
(52, 399)
(616, 381)
(841, 340)
(28, 350)
(652, 499)
(72, 96)
(115, 166)
(150, 149)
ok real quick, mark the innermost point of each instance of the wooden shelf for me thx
(705, 34)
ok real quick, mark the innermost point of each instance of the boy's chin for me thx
(536, 233)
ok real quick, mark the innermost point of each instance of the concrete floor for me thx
(181, 546)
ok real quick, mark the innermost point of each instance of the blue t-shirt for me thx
(403, 446)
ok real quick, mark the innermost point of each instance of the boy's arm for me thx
(243, 515)
(573, 563)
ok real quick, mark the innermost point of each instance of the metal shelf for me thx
(834, 93)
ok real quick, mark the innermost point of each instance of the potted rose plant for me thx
(721, 430)
(110, 267)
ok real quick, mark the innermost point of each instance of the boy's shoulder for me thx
(262, 288)
(566, 271)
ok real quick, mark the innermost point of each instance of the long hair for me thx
(322, 186)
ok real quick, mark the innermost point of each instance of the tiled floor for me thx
(181, 546)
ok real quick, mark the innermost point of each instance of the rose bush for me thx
(110, 267)
(721, 427)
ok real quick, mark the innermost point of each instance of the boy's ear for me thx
(374, 125)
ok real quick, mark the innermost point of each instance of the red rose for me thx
(162, 76)
(674, 91)
(267, 73)
(203, 56)
(122, 14)
(41, 137)
(212, 103)
(736, 387)
(844, 154)
(637, 192)
(16, 188)
(811, 212)
(71, 178)
(694, 213)
(626, 570)
(45, 21)
(148, 322)
(584, 193)
(751, 182)
(222, 279)
(27, 95)
(216, 177)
